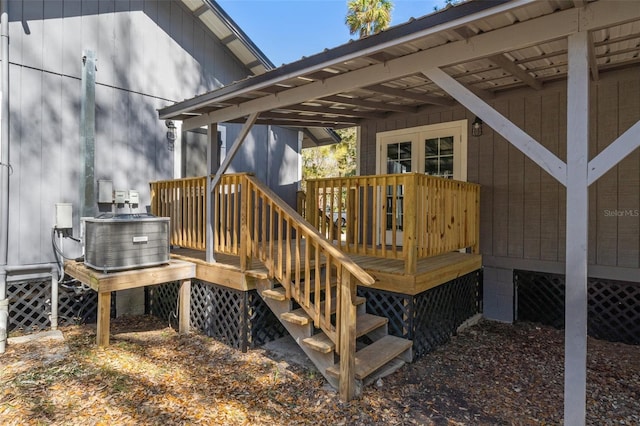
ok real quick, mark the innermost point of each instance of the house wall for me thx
(150, 54)
(522, 219)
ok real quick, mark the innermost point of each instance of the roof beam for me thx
(506, 64)
(295, 123)
(520, 35)
(201, 10)
(406, 94)
(369, 104)
(516, 136)
(307, 118)
(234, 149)
(593, 59)
(335, 111)
(614, 153)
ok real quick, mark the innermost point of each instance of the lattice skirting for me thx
(613, 310)
(30, 305)
(237, 318)
(431, 317)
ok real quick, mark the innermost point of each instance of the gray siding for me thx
(522, 220)
(150, 54)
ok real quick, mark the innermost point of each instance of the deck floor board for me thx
(389, 273)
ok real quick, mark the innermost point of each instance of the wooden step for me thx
(375, 356)
(298, 316)
(275, 294)
(320, 342)
(365, 323)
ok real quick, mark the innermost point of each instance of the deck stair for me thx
(378, 353)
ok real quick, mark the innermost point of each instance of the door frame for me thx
(417, 135)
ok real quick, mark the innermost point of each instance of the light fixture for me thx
(476, 127)
(172, 130)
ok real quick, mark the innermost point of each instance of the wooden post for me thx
(575, 349)
(245, 225)
(312, 204)
(185, 307)
(104, 318)
(476, 247)
(351, 216)
(409, 224)
(347, 338)
(210, 196)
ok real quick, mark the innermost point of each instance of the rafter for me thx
(384, 106)
(507, 65)
(308, 118)
(406, 94)
(520, 35)
(336, 111)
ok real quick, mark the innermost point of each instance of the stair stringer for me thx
(322, 361)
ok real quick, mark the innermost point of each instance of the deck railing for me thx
(430, 215)
(251, 221)
(184, 201)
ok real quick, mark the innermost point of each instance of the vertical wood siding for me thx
(522, 207)
(150, 53)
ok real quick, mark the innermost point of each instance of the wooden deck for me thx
(389, 273)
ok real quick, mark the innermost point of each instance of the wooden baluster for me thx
(410, 248)
(347, 337)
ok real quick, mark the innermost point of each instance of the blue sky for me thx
(286, 30)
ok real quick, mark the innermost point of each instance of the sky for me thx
(287, 30)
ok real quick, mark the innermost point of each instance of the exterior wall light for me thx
(476, 127)
(172, 130)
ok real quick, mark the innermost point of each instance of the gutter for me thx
(5, 168)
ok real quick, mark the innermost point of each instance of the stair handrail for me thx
(348, 263)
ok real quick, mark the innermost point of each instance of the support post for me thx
(575, 363)
(347, 336)
(185, 307)
(104, 318)
(54, 298)
(210, 196)
(410, 225)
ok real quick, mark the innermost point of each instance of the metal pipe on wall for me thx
(4, 171)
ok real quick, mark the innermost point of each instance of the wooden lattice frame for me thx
(613, 306)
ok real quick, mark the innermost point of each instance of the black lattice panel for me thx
(163, 300)
(29, 304)
(264, 325)
(431, 317)
(395, 306)
(440, 310)
(540, 298)
(613, 310)
(78, 305)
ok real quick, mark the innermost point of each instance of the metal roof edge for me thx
(241, 35)
(326, 58)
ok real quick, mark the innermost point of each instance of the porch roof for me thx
(487, 46)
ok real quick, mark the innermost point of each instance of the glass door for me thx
(436, 150)
(398, 156)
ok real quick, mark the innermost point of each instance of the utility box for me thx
(105, 191)
(134, 197)
(64, 216)
(120, 196)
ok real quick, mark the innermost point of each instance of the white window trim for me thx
(457, 128)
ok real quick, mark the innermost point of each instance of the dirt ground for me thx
(489, 374)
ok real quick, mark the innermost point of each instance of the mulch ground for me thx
(488, 374)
